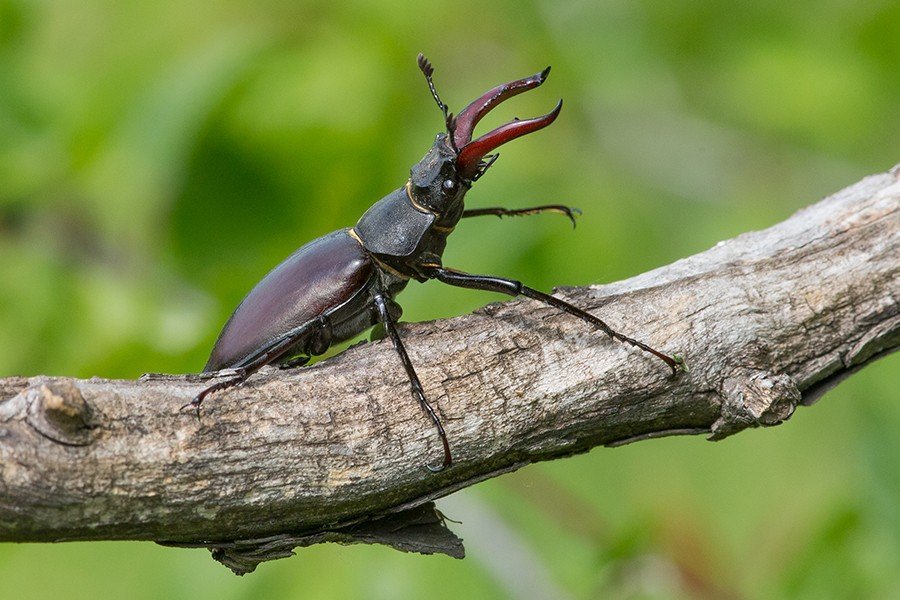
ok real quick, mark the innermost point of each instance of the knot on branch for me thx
(60, 413)
(755, 399)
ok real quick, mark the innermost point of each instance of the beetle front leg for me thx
(512, 287)
(568, 211)
(384, 316)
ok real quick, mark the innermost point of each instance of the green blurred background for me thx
(158, 158)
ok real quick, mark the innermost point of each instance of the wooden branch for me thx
(765, 321)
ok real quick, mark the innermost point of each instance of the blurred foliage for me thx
(156, 159)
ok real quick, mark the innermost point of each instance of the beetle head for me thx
(472, 157)
(435, 181)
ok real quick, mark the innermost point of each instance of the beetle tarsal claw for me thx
(194, 405)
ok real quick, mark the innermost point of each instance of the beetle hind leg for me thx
(273, 352)
(296, 361)
(387, 320)
(240, 376)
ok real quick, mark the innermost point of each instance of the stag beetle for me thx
(342, 283)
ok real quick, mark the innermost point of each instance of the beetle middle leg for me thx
(385, 317)
(568, 211)
(512, 287)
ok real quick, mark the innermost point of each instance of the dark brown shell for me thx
(316, 279)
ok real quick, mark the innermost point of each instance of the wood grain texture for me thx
(765, 322)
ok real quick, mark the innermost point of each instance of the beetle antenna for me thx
(449, 118)
(428, 71)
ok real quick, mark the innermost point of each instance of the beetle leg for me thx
(194, 404)
(241, 373)
(512, 287)
(296, 361)
(320, 341)
(277, 349)
(517, 212)
(384, 315)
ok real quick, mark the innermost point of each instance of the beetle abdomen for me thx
(317, 279)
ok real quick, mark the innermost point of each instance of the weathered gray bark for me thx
(765, 321)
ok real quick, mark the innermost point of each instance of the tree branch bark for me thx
(765, 322)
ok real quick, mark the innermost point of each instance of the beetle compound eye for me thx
(449, 184)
